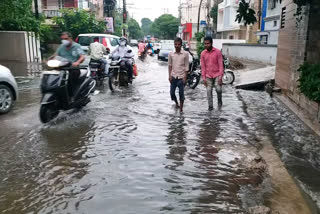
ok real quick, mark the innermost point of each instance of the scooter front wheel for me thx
(228, 77)
(48, 112)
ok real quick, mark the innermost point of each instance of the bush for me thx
(200, 45)
(309, 81)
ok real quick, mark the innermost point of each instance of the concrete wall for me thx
(19, 46)
(218, 43)
(295, 46)
(255, 52)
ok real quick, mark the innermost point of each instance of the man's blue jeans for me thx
(174, 84)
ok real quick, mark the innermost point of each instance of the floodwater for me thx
(132, 152)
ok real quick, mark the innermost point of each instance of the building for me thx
(229, 28)
(270, 23)
(298, 42)
(189, 10)
(50, 8)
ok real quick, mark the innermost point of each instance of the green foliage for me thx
(309, 82)
(165, 27)
(118, 21)
(79, 21)
(214, 13)
(245, 13)
(200, 44)
(146, 26)
(134, 29)
(16, 15)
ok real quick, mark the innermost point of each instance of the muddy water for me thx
(132, 152)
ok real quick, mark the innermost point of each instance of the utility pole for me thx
(199, 16)
(36, 9)
(124, 18)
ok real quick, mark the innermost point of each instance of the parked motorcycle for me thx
(194, 74)
(117, 75)
(56, 91)
(97, 71)
(228, 75)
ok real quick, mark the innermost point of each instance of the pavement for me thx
(257, 78)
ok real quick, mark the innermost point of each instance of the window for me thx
(274, 23)
(114, 41)
(230, 37)
(264, 39)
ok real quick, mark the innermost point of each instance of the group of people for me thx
(178, 63)
(211, 71)
(142, 47)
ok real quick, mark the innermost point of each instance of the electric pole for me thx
(124, 19)
(36, 9)
(199, 15)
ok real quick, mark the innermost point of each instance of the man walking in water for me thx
(178, 69)
(212, 71)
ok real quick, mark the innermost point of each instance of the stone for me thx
(259, 210)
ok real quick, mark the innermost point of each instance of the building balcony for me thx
(228, 3)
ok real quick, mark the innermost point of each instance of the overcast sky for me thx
(151, 9)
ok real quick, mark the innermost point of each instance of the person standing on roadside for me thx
(178, 62)
(212, 71)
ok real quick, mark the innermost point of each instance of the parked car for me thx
(109, 41)
(134, 42)
(8, 90)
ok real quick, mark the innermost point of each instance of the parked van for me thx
(108, 40)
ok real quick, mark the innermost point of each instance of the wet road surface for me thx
(132, 152)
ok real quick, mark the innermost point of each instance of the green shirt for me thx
(72, 54)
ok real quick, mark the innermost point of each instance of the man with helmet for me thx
(126, 55)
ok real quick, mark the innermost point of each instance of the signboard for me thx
(109, 24)
(203, 23)
(181, 28)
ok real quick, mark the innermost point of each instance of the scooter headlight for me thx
(53, 63)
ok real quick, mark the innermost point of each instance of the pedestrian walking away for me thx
(178, 62)
(212, 71)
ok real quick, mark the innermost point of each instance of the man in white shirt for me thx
(126, 55)
(97, 51)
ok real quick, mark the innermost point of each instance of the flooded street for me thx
(132, 152)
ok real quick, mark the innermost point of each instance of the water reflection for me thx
(37, 159)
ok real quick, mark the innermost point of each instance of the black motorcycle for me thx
(194, 74)
(97, 71)
(56, 91)
(118, 76)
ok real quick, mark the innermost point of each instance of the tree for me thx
(146, 26)
(80, 21)
(16, 15)
(214, 14)
(165, 27)
(245, 13)
(134, 29)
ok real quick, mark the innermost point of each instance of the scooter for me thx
(228, 75)
(56, 91)
(150, 52)
(97, 71)
(117, 75)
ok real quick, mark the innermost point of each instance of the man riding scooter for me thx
(150, 46)
(126, 56)
(141, 49)
(73, 52)
(97, 51)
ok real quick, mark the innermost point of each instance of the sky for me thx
(151, 9)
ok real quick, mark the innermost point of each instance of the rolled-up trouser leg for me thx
(173, 87)
(219, 91)
(181, 89)
(210, 84)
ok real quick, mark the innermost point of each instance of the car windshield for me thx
(114, 41)
(167, 46)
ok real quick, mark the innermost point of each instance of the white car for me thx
(108, 40)
(8, 90)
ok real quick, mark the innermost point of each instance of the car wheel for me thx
(6, 99)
